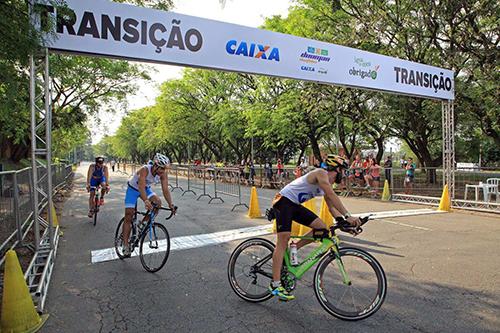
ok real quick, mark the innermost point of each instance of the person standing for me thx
(112, 165)
(410, 176)
(388, 168)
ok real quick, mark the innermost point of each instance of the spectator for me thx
(410, 175)
(304, 165)
(298, 171)
(388, 167)
(268, 170)
(280, 168)
(356, 171)
(247, 171)
(112, 165)
(372, 177)
(252, 173)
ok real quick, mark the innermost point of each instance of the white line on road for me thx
(195, 241)
(405, 225)
(189, 242)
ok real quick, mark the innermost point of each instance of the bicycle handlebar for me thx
(345, 226)
(160, 208)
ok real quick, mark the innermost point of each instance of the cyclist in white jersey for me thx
(140, 186)
(287, 207)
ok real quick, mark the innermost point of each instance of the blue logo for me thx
(307, 68)
(252, 50)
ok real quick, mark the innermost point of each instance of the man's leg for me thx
(103, 191)
(279, 252)
(317, 224)
(91, 202)
(127, 225)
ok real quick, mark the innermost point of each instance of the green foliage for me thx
(213, 115)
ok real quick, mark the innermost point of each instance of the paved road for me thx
(443, 274)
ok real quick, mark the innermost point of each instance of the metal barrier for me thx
(427, 188)
(198, 180)
(227, 181)
(173, 169)
(189, 173)
(16, 203)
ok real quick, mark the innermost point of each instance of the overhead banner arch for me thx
(104, 28)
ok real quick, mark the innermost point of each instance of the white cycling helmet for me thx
(161, 160)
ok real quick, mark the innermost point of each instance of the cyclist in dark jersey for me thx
(97, 175)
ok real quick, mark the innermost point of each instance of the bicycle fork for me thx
(345, 278)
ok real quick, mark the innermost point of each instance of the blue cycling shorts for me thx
(97, 181)
(133, 194)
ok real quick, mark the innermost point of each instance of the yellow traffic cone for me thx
(311, 205)
(445, 203)
(254, 209)
(325, 214)
(55, 221)
(296, 229)
(18, 310)
(386, 194)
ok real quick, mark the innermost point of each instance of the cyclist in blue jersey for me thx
(139, 186)
(97, 175)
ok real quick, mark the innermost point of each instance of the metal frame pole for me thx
(48, 146)
(34, 167)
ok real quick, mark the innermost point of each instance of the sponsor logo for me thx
(364, 69)
(121, 28)
(322, 70)
(422, 79)
(307, 68)
(252, 50)
(314, 55)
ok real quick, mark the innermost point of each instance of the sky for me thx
(244, 12)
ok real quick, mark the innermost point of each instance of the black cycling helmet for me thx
(333, 162)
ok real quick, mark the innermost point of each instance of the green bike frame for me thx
(315, 256)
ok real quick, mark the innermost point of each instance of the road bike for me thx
(151, 237)
(349, 283)
(97, 201)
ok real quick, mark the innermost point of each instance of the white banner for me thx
(98, 27)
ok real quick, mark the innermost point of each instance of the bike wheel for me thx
(96, 210)
(357, 300)
(119, 239)
(250, 269)
(154, 248)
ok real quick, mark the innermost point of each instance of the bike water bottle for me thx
(294, 260)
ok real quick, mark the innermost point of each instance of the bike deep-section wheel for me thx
(356, 300)
(119, 239)
(250, 269)
(154, 248)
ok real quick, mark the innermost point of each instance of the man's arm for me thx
(332, 200)
(89, 174)
(106, 174)
(165, 190)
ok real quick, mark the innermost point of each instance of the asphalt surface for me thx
(443, 274)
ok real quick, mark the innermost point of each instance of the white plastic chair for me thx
(490, 190)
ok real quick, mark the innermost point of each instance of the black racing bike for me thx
(149, 236)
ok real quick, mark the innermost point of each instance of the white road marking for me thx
(195, 241)
(406, 225)
(190, 242)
